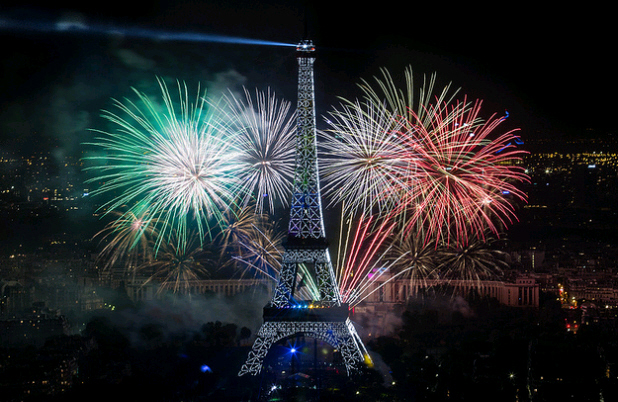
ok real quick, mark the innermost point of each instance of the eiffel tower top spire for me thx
(306, 221)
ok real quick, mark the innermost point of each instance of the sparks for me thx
(173, 164)
(263, 132)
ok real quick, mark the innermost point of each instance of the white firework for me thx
(173, 162)
(263, 131)
(362, 162)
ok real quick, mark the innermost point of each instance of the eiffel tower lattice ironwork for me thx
(326, 318)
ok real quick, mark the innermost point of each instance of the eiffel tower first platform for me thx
(285, 315)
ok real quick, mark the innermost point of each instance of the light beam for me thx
(78, 26)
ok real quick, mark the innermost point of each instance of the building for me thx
(32, 327)
(523, 292)
(376, 314)
(382, 298)
(141, 289)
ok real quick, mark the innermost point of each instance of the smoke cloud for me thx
(182, 317)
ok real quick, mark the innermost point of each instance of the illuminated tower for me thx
(324, 317)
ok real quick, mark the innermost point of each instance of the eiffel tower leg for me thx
(348, 344)
(362, 354)
(284, 292)
(267, 335)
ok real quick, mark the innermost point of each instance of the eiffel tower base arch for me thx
(341, 335)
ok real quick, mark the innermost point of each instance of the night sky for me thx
(549, 67)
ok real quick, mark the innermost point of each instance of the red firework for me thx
(364, 252)
(464, 179)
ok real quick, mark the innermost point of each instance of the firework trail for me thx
(173, 162)
(263, 131)
(364, 245)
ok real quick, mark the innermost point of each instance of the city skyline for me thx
(579, 272)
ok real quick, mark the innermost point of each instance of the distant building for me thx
(375, 314)
(383, 297)
(142, 290)
(523, 292)
(14, 297)
(32, 327)
(599, 290)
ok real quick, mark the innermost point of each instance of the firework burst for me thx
(171, 162)
(258, 248)
(176, 268)
(430, 164)
(263, 131)
(362, 160)
(465, 180)
(472, 262)
(414, 259)
(259, 253)
(238, 225)
(128, 240)
(365, 162)
(262, 252)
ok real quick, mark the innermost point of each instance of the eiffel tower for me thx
(286, 315)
